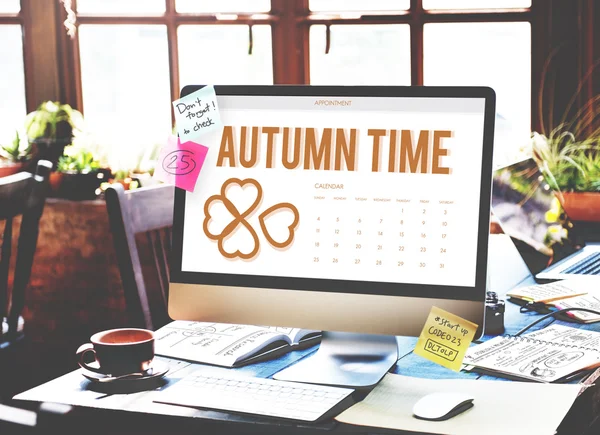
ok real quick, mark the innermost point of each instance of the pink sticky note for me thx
(180, 163)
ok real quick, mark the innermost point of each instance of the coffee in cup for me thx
(119, 351)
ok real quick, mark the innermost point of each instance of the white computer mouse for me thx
(442, 406)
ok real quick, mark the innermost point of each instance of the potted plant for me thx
(50, 128)
(571, 167)
(14, 155)
(78, 175)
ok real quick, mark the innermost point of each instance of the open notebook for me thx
(228, 345)
(554, 354)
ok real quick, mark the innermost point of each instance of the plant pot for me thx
(79, 187)
(56, 179)
(9, 168)
(581, 206)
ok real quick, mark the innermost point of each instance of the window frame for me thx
(172, 20)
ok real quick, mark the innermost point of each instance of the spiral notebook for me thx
(554, 354)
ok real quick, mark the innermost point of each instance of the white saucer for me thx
(157, 370)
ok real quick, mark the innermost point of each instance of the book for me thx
(554, 291)
(228, 345)
(555, 354)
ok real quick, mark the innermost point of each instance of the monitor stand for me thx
(346, 359)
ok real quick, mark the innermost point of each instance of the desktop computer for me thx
(351, 210)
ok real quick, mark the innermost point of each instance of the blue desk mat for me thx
(410, 364)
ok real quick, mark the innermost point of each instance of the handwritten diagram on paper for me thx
(197, 114)
(220, 343)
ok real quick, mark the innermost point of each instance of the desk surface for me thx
(147, 416)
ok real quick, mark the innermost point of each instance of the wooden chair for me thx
(144, 214)
(22, 194)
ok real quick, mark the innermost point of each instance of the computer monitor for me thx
(346, 209)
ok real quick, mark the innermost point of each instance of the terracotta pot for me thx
(56, 179)
(9, 168)
(581, 206)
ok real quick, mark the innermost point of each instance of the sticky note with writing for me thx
(180, 163)
(197, 113)
(445, 338)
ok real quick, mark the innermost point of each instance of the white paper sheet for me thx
(500, 407)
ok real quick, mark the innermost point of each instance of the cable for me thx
(552, 314)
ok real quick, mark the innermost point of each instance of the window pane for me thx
(358, 5)
(486, 54)
(126, 91)
(361, 55)
(208, 6)
(118, 7)
(10, 6)
(218, 54)
(12, 82)
(475, 4)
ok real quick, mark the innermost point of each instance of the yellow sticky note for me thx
(445, 338)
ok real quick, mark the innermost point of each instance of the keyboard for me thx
(589, 265)
(234, 392)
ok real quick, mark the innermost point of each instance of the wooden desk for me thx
(136, 413)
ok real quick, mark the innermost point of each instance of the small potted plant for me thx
(571, 167)
(78, 175)
(13, 156)
(50, 128)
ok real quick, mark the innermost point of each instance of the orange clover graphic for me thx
(239, 220)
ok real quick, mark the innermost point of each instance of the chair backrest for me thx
(145, 212)
(22, 194)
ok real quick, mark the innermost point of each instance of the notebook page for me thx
(526, 358)
(212, 343)
(567, 336)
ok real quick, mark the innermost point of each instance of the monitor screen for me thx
(373, 194)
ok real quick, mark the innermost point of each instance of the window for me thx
(12, 73)
(360, 55)
(475, 4)
(134, 57)
(149, 50)
(120, 7)
(10, 7)
(441, 42)
(499, 57)
(125, 84)
(357, 5)
(221, 54)
(223, 6)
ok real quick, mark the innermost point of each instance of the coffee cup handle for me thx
(83, 349)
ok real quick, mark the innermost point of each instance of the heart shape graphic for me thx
(245, 195)
(237, 218)
(291, 227)
(217, 217)
(250, 237)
